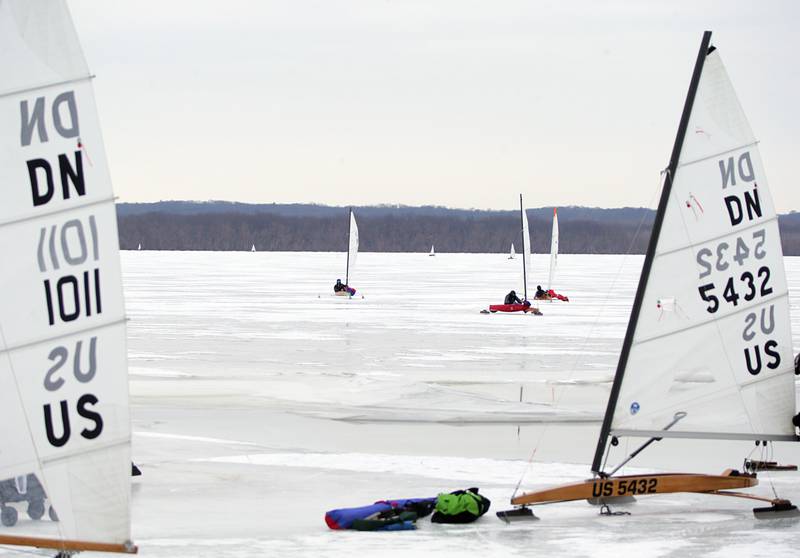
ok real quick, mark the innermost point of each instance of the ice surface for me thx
(260, 401)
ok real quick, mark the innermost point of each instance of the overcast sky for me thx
(453, 102)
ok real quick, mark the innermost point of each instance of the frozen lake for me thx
(260, 401)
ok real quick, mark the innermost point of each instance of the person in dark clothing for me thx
(541, 294)
(512, 298)
(339, 286)
(342, 288)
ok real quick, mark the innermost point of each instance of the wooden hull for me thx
(636, 485)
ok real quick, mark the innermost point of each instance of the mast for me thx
(349, 232)
(524, 271)
(651, 249)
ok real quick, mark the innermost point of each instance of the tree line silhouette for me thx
(401, 230)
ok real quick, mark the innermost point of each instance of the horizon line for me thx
(388, 205)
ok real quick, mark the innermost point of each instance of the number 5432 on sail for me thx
(748, 285)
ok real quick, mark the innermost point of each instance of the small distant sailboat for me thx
(549, 293)
(712, 305)
(525, 305)
(432, 252)
(64, 402)
(553, 250)
(344, 289)
(140, 246)
(513, 252)
(253, 248)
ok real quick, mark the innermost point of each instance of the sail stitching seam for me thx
(10, 349)
(714, 239)
(56, 212)
(85, 451)
(45, 86)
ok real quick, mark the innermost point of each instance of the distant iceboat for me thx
(549, 293)
(344, 289)
(253, 248)
(139, 247)
(432, 252)
(525, 306)
(513, 252)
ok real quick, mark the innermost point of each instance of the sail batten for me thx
(34, 342)
(739, 231)
(719, 154)
(32, 88)
(109, 444)
(38, 215)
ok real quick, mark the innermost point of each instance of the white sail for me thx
(352, 247)
(253, 248)
(526, 248)
(140, 247)
(62, 317)
(432, 252)
(553, 250)
(512, 253)
(713, 339)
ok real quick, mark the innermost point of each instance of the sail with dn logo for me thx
(708, 349)
(729, 302)
(63, 366)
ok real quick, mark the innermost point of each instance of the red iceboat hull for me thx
(510, 308)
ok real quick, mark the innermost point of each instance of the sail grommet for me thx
(614, 441)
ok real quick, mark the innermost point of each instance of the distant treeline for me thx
(295, 227)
